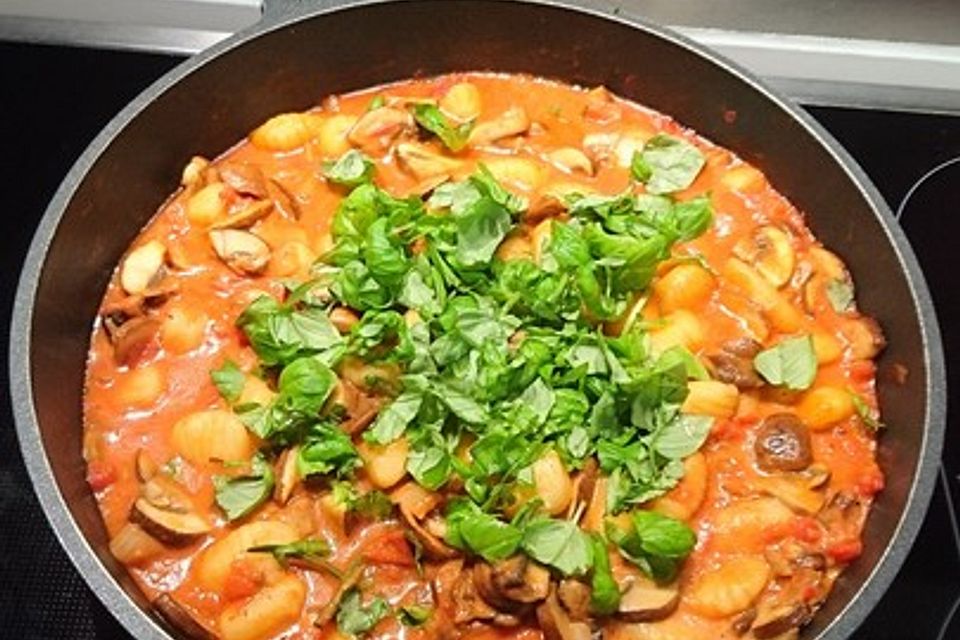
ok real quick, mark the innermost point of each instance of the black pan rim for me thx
(142, 625)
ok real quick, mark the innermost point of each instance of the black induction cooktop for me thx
(55, 99)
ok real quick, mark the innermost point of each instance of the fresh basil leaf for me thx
(480, 230)
(229, 381)
(326, 449)
(866, 413)
(692, 217)
(429, 116)
(488, 537)
(682, 436)
(412, 615)
(430, 467)
(310, 550)
(240, 496)
(307, 383)
(354, 617)
(560, 544)
(639, 169)
(350, 170)
(662, 535)
(681, 355)
(392, 421)
(672, 164)
(840, 294)
(604, 591)
(791, 363)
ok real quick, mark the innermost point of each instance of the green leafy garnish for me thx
(560, 544)
(350, 170)
(412, 615)
(840, 294)
(239, 496)
(310, 553)
(228, 380)
(667, 164)
(429, 116)
(654, 542)
(791, 363)
(355, 618)
(489, 537)
(866, 413)
(604, 591)
(374, 504)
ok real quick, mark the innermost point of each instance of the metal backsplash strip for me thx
(848, 61)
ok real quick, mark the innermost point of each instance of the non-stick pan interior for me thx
(218, 98)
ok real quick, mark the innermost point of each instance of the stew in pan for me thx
(481, 356)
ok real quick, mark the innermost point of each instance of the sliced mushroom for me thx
(378, 128)
(556, 623)
(170, 527)
(776, 621)
(468, 605)
(283, 200)
(644, 601)
(511, 584)
(242, 251)
(461, 101)
(143, 267)
(132, 338)
(245, 179)
(511, 122)
(571, 160)
(575, 598)
(178, 617)
(288, 475)
(792, 492)
(770, 252)
(783, 444)
(433, 547)
(424, 163)
(247, 216)
(544, 206)
(735, 370)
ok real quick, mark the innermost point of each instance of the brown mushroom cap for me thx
(169, 527)
(779, 620)
(646, 602)
(783, 444)
(511, 584)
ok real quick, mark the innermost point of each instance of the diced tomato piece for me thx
(242, 581)
(100, 474)
(862, 370)
(845, 550)
(807, 530)
(810, 593)
(777, 532)
(871, 483)
(390, 548)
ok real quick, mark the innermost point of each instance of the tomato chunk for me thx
(390, 548)
(100, 474)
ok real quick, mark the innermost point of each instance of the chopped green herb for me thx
(350, 170)
(412, 615)
(667, 164)
(791, 363)
(355, 618)
(229, 381)
(866, 413)
(432, 119)
(840, 294)
(560, 544)
(239, 496)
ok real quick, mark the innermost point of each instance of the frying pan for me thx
(300, 53)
